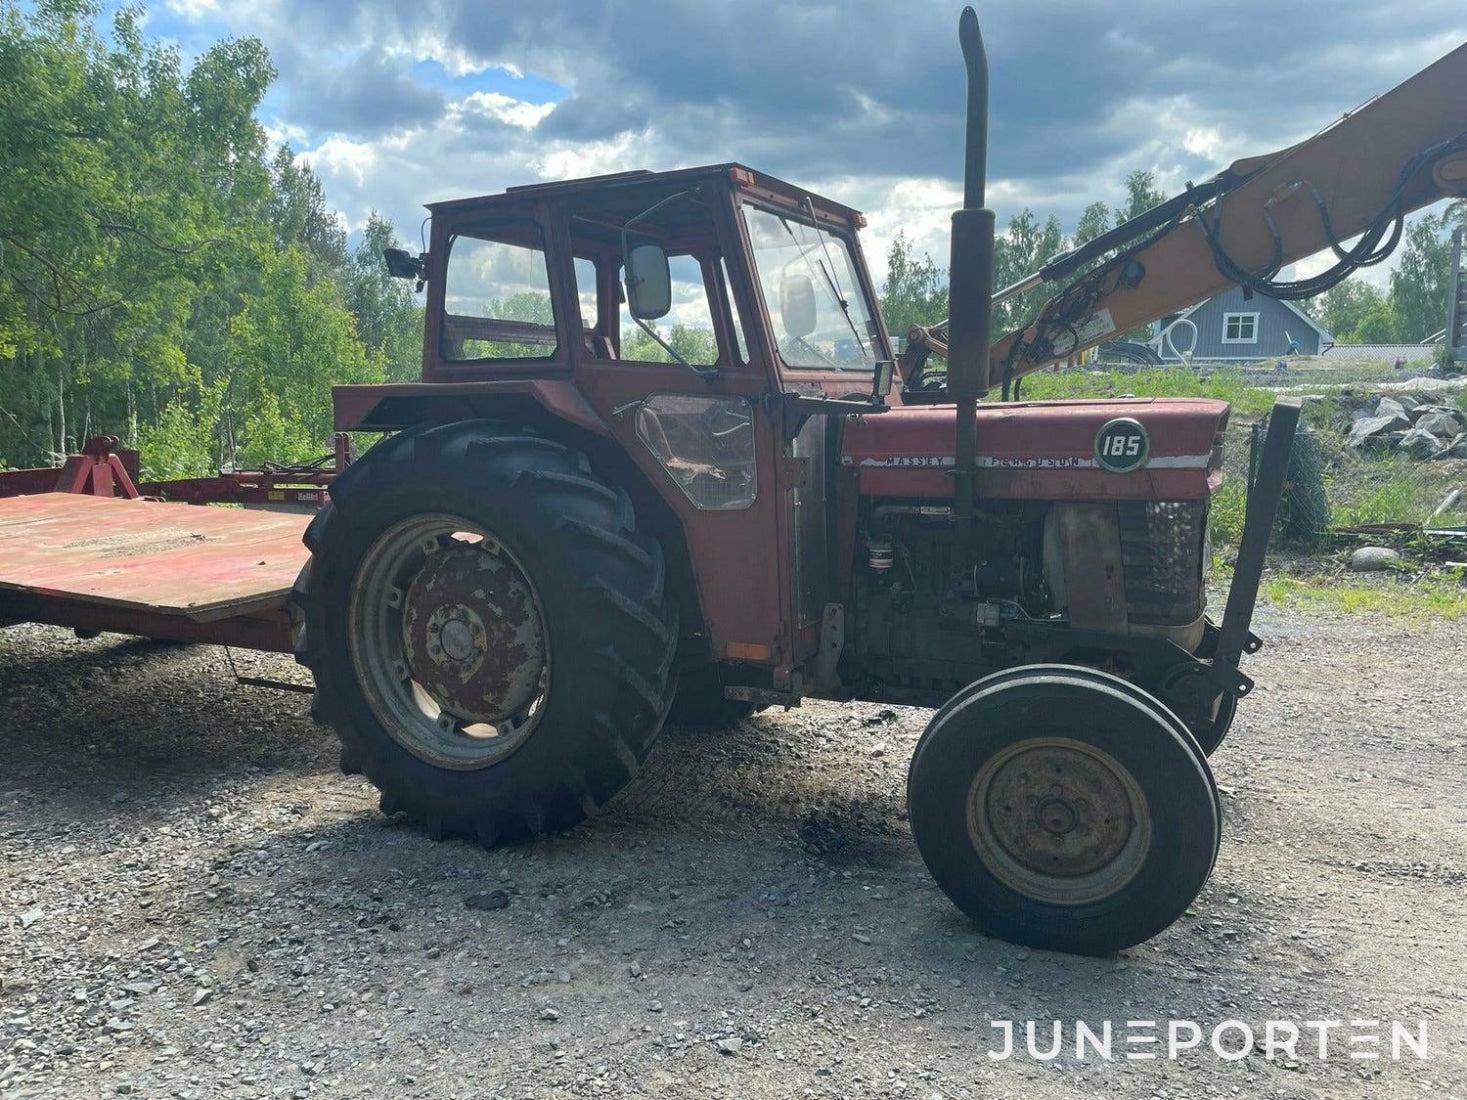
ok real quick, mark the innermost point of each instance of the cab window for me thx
(688, 328)
(497, 301)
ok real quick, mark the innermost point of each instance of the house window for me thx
(1240, 328)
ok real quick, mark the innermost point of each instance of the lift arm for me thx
(1362, 175)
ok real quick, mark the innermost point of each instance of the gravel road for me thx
(195, 903)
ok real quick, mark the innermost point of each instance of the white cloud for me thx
(504, 108)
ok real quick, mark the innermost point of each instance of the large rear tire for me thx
(1064, 809)
(488, 631)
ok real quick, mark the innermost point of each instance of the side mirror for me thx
(402, 265)
(881, 381)
(797, 305)
(649, 282)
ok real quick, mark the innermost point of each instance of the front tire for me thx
(488, 631)
(1064, 809)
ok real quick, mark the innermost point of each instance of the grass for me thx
(1229, 384)
(1436, 595)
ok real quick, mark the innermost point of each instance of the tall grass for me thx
(1229, 384)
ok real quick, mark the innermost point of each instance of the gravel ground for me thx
(194, 902)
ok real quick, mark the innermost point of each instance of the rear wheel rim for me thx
(1059, 821)
(448, 639)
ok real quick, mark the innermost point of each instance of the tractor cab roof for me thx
(636, 189)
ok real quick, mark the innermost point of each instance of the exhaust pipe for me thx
(970, 273)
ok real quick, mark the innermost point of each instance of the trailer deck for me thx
(179, 571)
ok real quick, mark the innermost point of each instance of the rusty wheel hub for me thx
(1059, 820)
(472, 635)
(449, 641)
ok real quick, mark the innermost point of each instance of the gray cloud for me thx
(369, 96)
(859, 95)
(871, 86)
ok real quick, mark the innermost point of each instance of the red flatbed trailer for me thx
(94, 553)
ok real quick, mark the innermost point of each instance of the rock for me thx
(731, 1045)
(549, 1014)
(655, 1006)
(1459, 447)
(201, 996)
(1389, 406)
(859, 938)
(488, 900)
(1368, 427)
(1420, 444)
(1439, 423)
(1372, 559)
(1407, 402)
(30, 916)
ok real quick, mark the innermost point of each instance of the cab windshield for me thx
(807, 274)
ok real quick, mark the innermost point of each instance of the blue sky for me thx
(401, 102)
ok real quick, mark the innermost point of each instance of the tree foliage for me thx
(163, 276)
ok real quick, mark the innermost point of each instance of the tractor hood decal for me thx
(1047, 450)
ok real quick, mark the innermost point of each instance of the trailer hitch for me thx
(1234, 637)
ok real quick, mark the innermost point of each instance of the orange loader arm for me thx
(1362, 175)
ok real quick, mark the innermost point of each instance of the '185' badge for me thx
(1122, 445)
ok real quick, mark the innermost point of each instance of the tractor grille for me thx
(1162, 553)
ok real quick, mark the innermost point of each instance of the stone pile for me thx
(1412, 425)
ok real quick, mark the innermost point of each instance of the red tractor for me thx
(583, 524)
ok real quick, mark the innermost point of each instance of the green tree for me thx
(1377, 325)
(160, 278)
(299, 214)
(916, 289)
(1022, 249)
(1095, 220)
(389, 318)
(1419, 283)
(1341, 309)
(1141, 195)
(118, 203)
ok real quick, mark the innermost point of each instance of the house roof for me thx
(1325, 336)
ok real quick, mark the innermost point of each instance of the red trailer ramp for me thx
(161, 570)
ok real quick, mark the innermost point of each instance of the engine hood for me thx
(1050, 450)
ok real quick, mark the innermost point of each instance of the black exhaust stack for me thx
(970, 273)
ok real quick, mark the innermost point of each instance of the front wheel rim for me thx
(449, 642)
(1059, 821)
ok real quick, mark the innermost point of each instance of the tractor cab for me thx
(734, 276)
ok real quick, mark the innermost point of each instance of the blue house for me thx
(1231, 327)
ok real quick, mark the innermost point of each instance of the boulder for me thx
(1372, 559)
(1458, 448)
(1420, 444)
(1389, 406)
(1439, 423)
(1409, 403)
(1365, 429)
(1371, 426)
